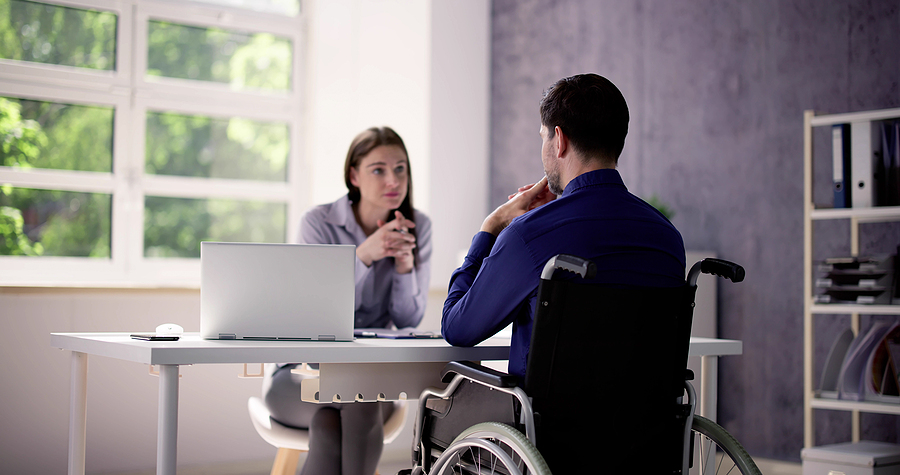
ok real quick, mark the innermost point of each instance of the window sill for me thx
(17, 287)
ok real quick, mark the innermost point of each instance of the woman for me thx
(392, 270)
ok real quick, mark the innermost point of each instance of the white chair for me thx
(291, 441)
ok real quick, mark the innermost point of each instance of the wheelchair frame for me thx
(455, 373)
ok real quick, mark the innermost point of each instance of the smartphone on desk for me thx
(152, 337)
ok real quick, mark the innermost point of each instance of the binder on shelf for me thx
(840, 146)
(895, 289)
(895, 161)
(884, 180)
(862, 159)
(889, 164)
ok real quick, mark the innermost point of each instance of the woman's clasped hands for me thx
(391, 239)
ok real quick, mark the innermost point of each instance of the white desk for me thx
(340, 362)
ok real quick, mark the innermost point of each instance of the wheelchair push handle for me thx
(567, 262)
(719, 267)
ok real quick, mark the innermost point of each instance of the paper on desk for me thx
(394, 334)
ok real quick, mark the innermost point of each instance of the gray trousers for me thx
(344, 438)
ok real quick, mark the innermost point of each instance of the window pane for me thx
(54, 223)
(243, 60)
(278, 7)
(200, 146)
(174, 227)
(54, 34)
(53, 135)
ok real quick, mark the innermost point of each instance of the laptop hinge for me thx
(327, 338)
(227, 336)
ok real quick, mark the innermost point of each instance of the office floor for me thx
(391, 467)
(387, 466)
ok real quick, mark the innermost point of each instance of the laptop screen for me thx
(276, 291)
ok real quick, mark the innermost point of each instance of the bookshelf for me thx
(811, 309)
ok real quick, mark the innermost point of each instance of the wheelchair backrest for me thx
(608, 359)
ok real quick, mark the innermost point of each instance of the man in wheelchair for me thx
(606, 358)
(581, 207)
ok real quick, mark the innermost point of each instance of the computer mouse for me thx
(169, 329)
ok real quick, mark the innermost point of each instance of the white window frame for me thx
(132, 95)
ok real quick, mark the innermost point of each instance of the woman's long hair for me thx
(361, 146)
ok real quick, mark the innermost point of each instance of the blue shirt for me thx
(596, 218)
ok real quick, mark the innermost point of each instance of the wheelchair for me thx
(607, 389)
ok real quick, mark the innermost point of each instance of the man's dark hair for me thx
(591, 111)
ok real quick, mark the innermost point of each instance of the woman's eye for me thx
(400, 170)
(377, 171)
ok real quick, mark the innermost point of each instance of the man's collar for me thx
(604, 176)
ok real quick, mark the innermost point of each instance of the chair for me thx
(604, 387)
(291, 441)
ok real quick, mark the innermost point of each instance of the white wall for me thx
(460, 129)
(420, 67)
(122, 396)
(368, 65)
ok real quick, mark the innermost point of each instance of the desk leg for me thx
(709, 381)
(167, 429)
(709, 373)
(77, 413)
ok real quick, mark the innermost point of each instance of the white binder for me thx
(862, 153)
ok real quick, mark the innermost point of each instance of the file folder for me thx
(840, 137)
(833, 362)
(895, 161)
(880, 376)
(862, 153)
(852, 380)
(890, 161)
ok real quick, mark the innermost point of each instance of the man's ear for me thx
(562, 142)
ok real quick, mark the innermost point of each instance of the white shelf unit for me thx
(810, 309)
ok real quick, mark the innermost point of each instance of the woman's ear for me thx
(354, 179)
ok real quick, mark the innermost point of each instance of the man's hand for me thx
(525, 199)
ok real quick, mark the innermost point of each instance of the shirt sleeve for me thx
(409, 292)
(314, 229)
(488, 291)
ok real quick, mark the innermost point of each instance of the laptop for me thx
(276, 291)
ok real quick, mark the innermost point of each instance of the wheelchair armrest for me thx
(478, 373)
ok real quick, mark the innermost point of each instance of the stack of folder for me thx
(865, 367)
(856, 280)
(866, 164)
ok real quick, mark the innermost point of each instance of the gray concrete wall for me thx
(717, 91)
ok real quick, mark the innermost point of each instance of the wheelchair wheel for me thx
(721, 449)
(488, 448)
